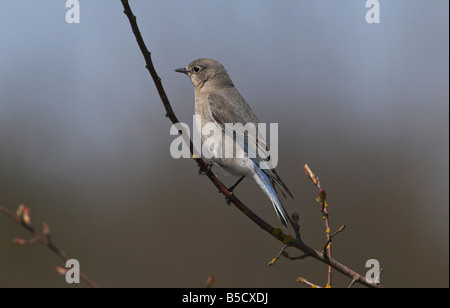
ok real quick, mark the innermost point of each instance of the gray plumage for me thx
(218, 101)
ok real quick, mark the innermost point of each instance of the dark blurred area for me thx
(85, 145)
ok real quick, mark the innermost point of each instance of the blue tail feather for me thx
(272, 194)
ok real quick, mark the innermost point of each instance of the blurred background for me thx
(85, 145)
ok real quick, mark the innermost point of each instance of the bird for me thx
(217, 101)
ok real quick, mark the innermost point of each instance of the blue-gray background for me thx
(84, 142)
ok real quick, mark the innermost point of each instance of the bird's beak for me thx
(181, 70)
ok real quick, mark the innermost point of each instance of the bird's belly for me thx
(219, 148)
(232, 158)
(236, 166)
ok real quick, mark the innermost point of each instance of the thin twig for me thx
(285, 254)
(22, 217)
(275, 232)
(379, 275)
(354, 280)
(321, 198)
(305, 281)
(272, 262)
(341, 228)
(300, 257)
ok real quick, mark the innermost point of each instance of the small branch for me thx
(295, 225)
(272, 262)
(284, 253)
(321, 198)
(325, 247)
(300, 257)
(305, 281)
(22, 217)
(354, 280)
(210, 280)
(379, 275)
(287, 240)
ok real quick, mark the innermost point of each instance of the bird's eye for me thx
(196, 69)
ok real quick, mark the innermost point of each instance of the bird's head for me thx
(202, 71)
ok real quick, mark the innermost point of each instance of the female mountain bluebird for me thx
(217, 101)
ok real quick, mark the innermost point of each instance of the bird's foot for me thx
(202, 171)
(231, 188)
(236, 184)
(228, 198)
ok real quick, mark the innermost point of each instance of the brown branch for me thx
(22, 217)
(305, 281)
(282, 252)
(204, 168)
(354, 280)
(321, 198)
(285, 254)
(326, 246)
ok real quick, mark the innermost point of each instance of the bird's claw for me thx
(228, 199)
(203, 172)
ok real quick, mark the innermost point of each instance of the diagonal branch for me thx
(275, 232)
(22, 218)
